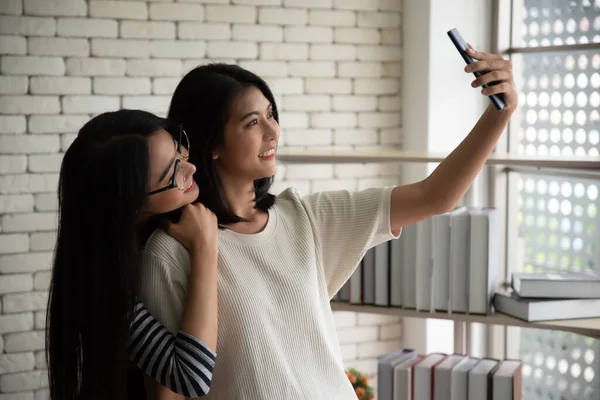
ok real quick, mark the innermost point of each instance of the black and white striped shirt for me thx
(179, 362)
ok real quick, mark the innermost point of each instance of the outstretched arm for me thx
(447, 184)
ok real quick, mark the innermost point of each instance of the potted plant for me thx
(360, 383)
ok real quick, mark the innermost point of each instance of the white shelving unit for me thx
(587, 327)
(298, 156)
(586, 166)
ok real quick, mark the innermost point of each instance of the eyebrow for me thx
(166, 171)
(270, 106)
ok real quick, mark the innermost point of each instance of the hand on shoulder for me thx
(197, 229)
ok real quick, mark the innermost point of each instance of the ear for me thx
(215, 155)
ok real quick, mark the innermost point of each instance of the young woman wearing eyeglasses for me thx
(118, 179)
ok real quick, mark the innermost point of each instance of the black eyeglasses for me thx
(183, 152)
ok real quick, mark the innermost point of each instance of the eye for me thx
(253, 122)
(270, 114)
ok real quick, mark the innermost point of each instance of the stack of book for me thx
(406, 375)
(545, 297)
(446, 263)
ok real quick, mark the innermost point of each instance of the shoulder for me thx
(164, 247)
(287, 195)
(290, 202)
(296, 207)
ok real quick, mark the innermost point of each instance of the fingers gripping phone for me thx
(461, 46)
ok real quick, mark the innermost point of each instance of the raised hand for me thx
(197, 229)
(497, 72)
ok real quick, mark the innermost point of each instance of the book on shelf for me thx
(480, 379)
(385, 371)
(406, 375)
(484, 253)
(544, 309)
(423, 376)
(344, 293)
(368, 277)
(441, 262)
(408, 243)
(403, 381)
(423, 265)
(396, 269)
(459, 378)
(557, 285)
(460, 223)
(442, 379)
(356, 295)
(447, 263)
(382, 274)
(507, 381)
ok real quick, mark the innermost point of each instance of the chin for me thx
(266, 175)
(272, 170)
(193, 194)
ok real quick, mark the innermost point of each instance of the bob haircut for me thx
(201, 104)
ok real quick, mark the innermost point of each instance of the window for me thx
(554, 220)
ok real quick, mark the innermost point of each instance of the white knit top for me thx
(277, 338)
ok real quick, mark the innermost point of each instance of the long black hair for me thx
(202, 102)
(102, 189)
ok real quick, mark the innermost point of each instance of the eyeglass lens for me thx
(183, 148)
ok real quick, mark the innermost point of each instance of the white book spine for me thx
(483, 260)
(441, 262)
(423, 264)
(459, 261)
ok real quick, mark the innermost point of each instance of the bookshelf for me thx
(301, 156)
(587, 327)
(575, 166)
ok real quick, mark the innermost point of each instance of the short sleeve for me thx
(163, 288)
(346, 225)
(173, 358)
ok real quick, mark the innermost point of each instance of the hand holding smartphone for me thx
(461, 46)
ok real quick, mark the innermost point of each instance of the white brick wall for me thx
(334, 66)
(87, 27)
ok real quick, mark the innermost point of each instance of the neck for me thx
(240, 197)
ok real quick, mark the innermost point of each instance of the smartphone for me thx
(461, 46)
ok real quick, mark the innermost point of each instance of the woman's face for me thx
(163, 173)
(251, 136)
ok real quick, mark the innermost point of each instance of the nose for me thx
(272, 131)
(190, 169)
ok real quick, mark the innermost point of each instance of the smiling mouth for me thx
(191, 187)
(267, 153)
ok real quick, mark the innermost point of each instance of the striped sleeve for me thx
(181, 363)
